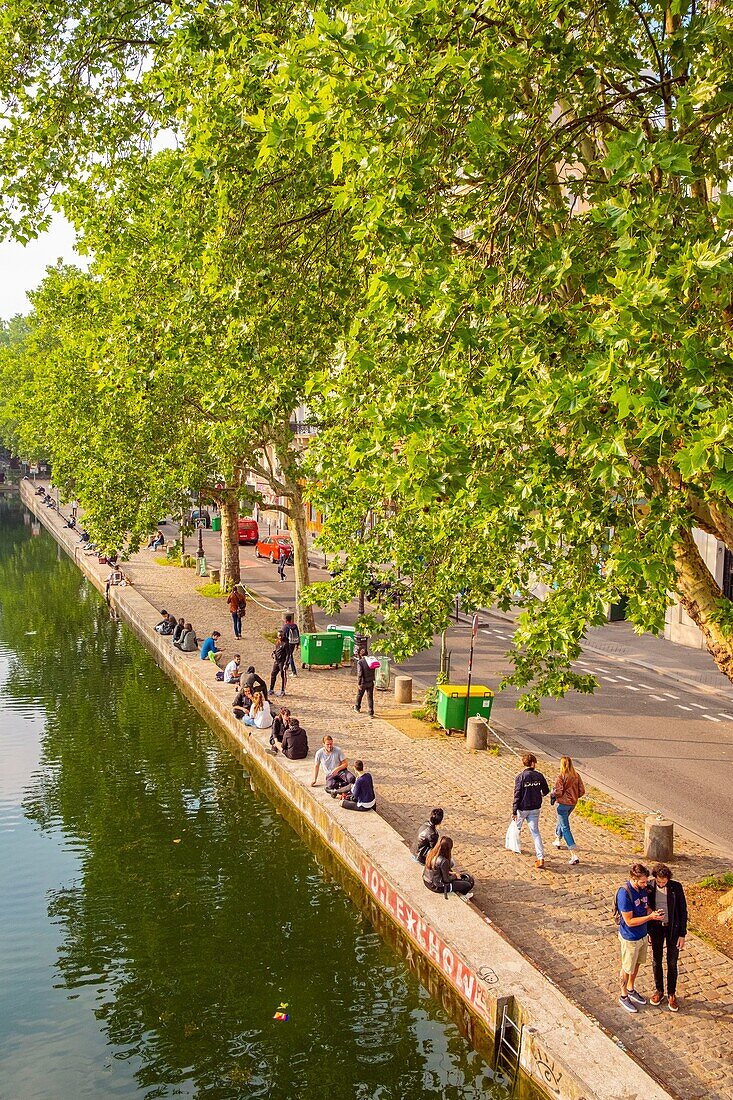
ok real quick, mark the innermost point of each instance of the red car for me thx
(249, 532)
(270, 547)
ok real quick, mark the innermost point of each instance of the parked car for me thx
(270, 548)
(193, 517)
(249, 532)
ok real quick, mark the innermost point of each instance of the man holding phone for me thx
(632, 907)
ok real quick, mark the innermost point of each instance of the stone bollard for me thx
(658, 839)
(477, 734)
(403, 689)
(215, 575)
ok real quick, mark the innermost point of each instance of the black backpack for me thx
(616, 911)
(292, 634)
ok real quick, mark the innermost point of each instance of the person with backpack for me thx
(568, 789)
(291, 633)
(365, 678)
(427, 838)
(280, 661)
(632, 914)
(237, 604)
(667, 895)
(530, 787)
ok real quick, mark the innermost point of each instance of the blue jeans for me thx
(532, 817)
(562, 828)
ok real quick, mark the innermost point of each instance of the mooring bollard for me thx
(215, 575)
(403, 689)
(477, 734)
(658, 838)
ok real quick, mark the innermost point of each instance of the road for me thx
(653, 742)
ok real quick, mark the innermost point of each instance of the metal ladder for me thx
(509, 1047)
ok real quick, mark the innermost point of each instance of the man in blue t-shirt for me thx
(634, 916)
(209, 650)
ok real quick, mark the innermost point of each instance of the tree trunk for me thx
(229, 505)
(299, 534)
(700, 596)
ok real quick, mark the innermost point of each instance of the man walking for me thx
(634, 915)
(530, 787)
(282, 559)
(365, 677)
(667, 895)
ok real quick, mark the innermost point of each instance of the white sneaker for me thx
(557, 843)
(573, 860)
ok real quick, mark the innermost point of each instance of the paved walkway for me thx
(560, 917)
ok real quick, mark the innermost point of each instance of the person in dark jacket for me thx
(280, 661)
(427, 838)
(280, 724)
(439, 876)
(362, 795)
(530, 787)
(178, 631)
(667, 896)
(188, 642)
(291, 634)
(254, 681)
(365, 677)
(295, 741)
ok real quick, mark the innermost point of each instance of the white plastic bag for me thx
(513, 841)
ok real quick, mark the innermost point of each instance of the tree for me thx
(538, 386)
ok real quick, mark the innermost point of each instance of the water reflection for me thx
(155, 913)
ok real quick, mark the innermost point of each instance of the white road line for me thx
(659, 698)
(670, 695)
(645, 687)
(624, 678)
(699, 706)
(711, 718)
(630, 687)
(722, 714)
(680, 707)
(611, 679)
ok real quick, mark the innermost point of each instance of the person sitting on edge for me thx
(231, 672)
(260, 715)
(336, 767)
(84, 538)
(362, 795)
(242, 701)
(188, 642)
(255, 682)
(115, 577)
(178, 631)
(280, 723)
(209, 650)
(438, 875)
(427, 838)
(167, 626)
(159, 626)
(295, 741)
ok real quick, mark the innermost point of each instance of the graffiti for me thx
(551, 1076)
(486, 974)
(460, 976)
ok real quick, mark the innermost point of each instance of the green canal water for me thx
(154, 912)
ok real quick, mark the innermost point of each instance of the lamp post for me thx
(474, 632)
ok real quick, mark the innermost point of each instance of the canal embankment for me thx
(564, 1052)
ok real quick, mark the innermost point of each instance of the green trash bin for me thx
(321, 649)
(216, 523)
(452, 704)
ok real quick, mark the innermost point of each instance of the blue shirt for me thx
(629, 899)
(208, 647)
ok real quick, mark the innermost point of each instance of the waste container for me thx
(321, 649)
(216, 523)
(381, 677)
(452, 704)
(347, 632)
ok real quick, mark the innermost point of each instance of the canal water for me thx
(154, 913)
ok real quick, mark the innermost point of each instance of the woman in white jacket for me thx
(260, 714)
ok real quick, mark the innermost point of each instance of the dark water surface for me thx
(153, 912)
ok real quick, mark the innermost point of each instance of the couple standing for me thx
(530, 787)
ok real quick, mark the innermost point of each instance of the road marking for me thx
(711, 718)
(646, 687)
(630, 687)
(699, 706)
(670, 695)
(612, 679)
(680, 707)
(659, 698)
(624, 678)
(722, 714)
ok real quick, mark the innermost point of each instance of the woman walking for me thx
(565, 794)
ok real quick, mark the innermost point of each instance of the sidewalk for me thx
(560, 917)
